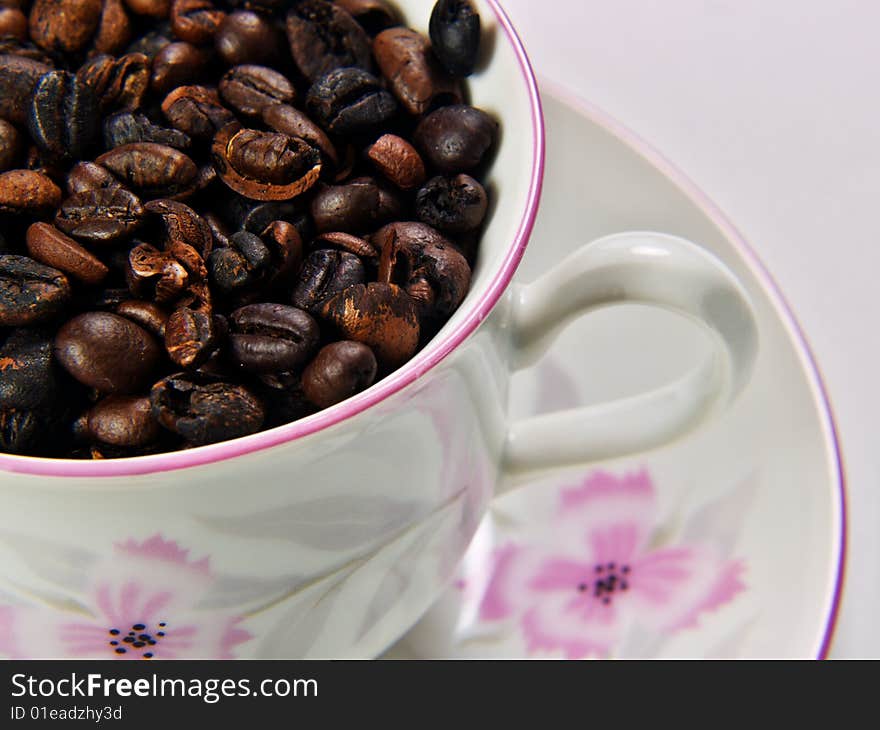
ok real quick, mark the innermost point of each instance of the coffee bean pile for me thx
(219, 216)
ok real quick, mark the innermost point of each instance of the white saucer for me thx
(733, 538)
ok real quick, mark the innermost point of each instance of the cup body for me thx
(327, 537)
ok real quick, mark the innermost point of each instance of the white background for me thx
(773, 108)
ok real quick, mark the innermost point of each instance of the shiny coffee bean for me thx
(151, 170)
(196, 111)
(148, 315)
(241, 266)
(178, 64)
(11, 144)
(123, 420)
(152, 8)
(253, 215)
(203, 410)
(428, 267)
(373, 15)
(104, 216)
(382, 316)
(132, 127)
(196, 21)
(64, 25)
(339, 371)
(51, 247)
(455, 35)
(452, 204)
(18, 77)
(118, 83)
(325, 273)
(86, 176)
(294, 123)
(356, 207)
(13, 23)
(271, 338)
(265, 165)
(28, 192)
(456, 138)
(107, 352)
(398, 161)
(350, 101)
(247, 37)
(249, 89)
(190, 337)
(30, 293)
(324, 37)
(414, 75)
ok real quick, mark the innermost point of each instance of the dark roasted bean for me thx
(455, 35)
(325, 273)
(132, 127)
(63, 116)
(249, 89)
(413, 73)
(271, 338)
(452, 204)
(18, 76)
(182, 224)
(350, 101)
(123, 420)
(247, 37)
(118, 83)
(252, 215)
(51, 247)
(203, 410)
(104, 215)
(339, 371)
(87, 176)
(241, 266)
(190, 337)
(176, 64)
(398, 161)
(347, 242)
(195, 21)
(324, 37)
(64, 25)
(148, 315)
(196, 111)
(294, 123)
(107, 352)
(152, 170)
(373, 15)
(356, 207)
(10, 145)
(456, 138)
(114, 28)
(26, 191)
(30, 293)
(151, 43)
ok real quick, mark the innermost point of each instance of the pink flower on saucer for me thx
(599, 573)
(140, 604)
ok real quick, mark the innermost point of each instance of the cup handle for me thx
(633, 267)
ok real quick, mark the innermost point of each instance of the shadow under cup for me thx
(326, 537)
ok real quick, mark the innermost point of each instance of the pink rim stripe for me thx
(714, 213)
(423, 362)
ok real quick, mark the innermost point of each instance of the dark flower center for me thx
(137, 640)
(607, 579)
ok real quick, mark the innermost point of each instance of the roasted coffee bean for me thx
(373, 15)
(425, 264)
(292, 122)
(271, 338)
(265, 165)
(123, 420)
(382, 316)
(455, 35)
(350, 101)
(285, 243)
(339, 371)
(151, 170)
(415, 76)
(148, 315)
(151, 43)
(152, 8)
(203, 410)
(190, 337)
(107, 352)
(242, 265)
(241, 213)
(13, 23)
(195, 21)
(106, 299)
(104, 215)
(18, 76)
(456, 138)
(182, 224)
(347, 242)
(247, 37)
(398, 161)
(10, 145)
(64, 25)
(249, 89)
(155, 275)
(178, 64)
(26, 191)
(324, 37)
(63, 116)
(30, 293)
(51, 247)
(24, 49)
(219, 232)
(114, 28)
(196, 111)
(87, 176)
(452, 204)
(284, 402)
(118, 83)
(356, 207)
(132, 127)
(325, 273)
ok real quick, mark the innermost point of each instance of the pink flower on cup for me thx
(142, 603)
(600, 572)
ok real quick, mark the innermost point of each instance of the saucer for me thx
(727, 543)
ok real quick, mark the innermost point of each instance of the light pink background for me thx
(773, 109)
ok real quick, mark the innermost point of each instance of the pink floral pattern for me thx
(601, 572)
(140, 604)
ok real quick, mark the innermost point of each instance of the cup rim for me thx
(424, 361)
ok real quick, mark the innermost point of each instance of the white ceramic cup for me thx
(330, 536)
